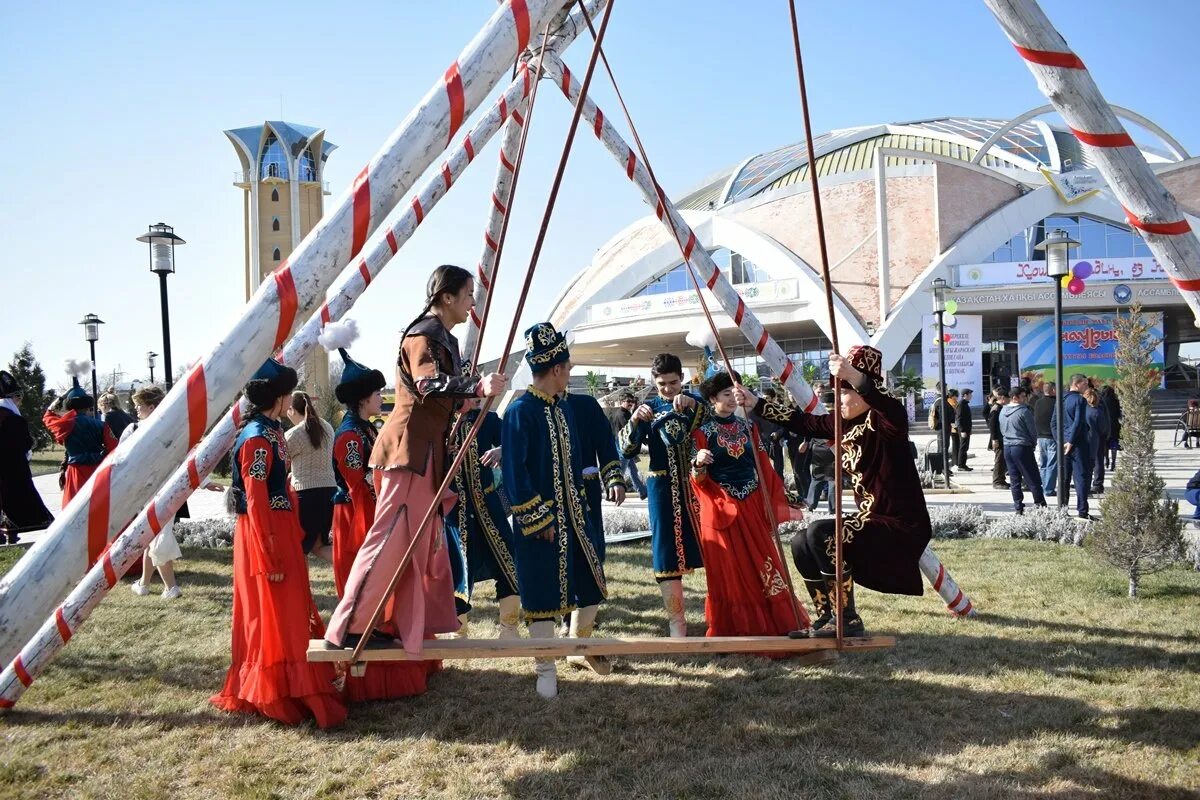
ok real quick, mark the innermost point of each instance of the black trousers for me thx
(809, 550)
(962, 443)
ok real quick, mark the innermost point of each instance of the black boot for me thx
(852, 624)
(822, 603)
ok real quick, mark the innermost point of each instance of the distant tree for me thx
(752, 382)
(35, 399)
(1139, 531)
(594, 382)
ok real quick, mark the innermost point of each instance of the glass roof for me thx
(761, 170)
(1024, 141)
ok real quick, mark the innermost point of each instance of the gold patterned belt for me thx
(658, 473)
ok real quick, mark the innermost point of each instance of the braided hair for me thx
(446, 279)
(303, 404)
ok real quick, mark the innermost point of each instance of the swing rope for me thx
(703, 306)
(512, 333)
(838, 531)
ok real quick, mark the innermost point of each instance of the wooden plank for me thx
(455, 649)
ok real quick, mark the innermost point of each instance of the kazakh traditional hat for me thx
(868, 361)
(77, 398)
(8, 384)
(358, 382)
(272, 381)
(545, 347)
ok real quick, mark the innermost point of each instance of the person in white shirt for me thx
(310, 452)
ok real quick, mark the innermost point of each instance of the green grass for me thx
(1061, 688)
(45, 462)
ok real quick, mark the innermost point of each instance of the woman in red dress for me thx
(71, 421)
(274, 615)
(354, 507)
(748, 594)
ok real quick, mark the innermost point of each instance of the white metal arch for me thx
(1170, 141)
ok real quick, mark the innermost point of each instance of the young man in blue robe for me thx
(665, 424)
(559, 570)
(477, 527)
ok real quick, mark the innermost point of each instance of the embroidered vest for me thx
(275, 477)
(85, 443)
(351, 423)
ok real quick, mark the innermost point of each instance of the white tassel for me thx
(338, 334)
(78, 368)
(701, 338)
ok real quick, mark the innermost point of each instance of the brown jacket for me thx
(428, 386)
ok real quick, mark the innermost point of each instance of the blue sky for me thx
(113, 116)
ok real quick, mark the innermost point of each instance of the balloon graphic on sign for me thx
(1082, 270)
(951, 309)
(946, 338)
(1075, 286)
(949, 320)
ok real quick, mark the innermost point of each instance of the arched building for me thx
(962, 199)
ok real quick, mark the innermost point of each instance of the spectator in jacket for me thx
(963, 424)
(1098, 431)
(822, 473)
(618, 418)
(1075, 455)
(1019, 434)
(996, 440)
(944, 413)
(1112, 404)
(1193, 496)
(1047, 452)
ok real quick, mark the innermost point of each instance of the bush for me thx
(1191, 540)
(958, 521)
(620, 520)
(210, 533)
(1042, 525)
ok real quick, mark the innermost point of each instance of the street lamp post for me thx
(162, 240)
(939, 308)
(150, 356)
(91, 332)
(1057, 247)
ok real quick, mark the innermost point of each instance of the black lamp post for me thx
(150, 356)
(91, 331)
(939, 308)
(1058, 249)
(162, 241)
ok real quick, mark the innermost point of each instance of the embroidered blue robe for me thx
(477, 527)
(542, 476)
(598, 452)
(674, 510)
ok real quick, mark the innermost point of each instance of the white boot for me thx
(464, 628)
(510, 617)
(582, 622)
(546, 668)
(672, 592)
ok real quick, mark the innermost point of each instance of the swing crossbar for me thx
(460, 649)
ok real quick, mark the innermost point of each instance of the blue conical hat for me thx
(358, 381)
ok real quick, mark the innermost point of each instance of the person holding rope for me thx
(665, 424)
(274, 615)
(747, 592)
(884, 539)
(477, 527)
(559, 568)
(409, 461)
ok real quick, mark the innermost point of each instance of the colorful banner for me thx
(1089, 345)
(755, 294)
(964, 353)
(1023, 273)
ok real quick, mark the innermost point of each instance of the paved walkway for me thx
(1175, 464)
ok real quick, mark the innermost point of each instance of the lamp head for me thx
(91, 327)
(162, 240)
(1057, 246)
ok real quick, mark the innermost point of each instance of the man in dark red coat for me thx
(883, 540)
(20, 502)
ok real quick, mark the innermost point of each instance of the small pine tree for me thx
(1140, 532)
(29, 375)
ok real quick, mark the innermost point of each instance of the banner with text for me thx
(1023, 273)
(1089, 345)
(964, 354)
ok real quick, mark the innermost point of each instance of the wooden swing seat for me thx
(461, 649)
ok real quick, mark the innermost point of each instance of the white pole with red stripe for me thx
(1066, 82)
(958, 603)
(497, 210)
(128, 478)
(733, 304)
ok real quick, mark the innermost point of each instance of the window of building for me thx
(1097, 239)
(274, 161)
(275, 254)
(274, 195)
(274, 223)
(308, 167)
(736, 267)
